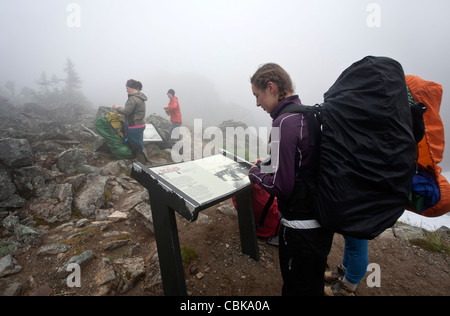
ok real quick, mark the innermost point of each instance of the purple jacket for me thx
(293, 159)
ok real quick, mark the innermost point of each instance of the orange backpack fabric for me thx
(431, 148)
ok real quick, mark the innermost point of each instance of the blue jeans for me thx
(356, 259)
(136, 139)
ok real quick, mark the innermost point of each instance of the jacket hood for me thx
(139, 95)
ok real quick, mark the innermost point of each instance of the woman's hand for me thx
(255, 164)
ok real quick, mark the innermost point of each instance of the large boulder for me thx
(7, 187)
(54, 204)
(70, 161)
(30, 181)
(15, 153)
(91, 196)
(8, 197)
(163, 127)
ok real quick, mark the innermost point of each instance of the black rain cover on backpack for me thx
(367, 159)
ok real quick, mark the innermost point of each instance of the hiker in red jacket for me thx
(174, 111)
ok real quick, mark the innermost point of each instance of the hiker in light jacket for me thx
(134, 112)
(303, 245)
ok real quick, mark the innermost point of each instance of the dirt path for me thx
(404, 269)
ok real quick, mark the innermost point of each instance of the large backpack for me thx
(111, 128)
(118, 123)
(431, 191)
(367, 149)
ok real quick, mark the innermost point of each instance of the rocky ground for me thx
(123, 260)
(64, 202)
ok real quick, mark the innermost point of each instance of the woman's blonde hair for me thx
(272, 72)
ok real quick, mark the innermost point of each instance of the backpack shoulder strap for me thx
(312, 113)
(294, 108)
(266, 210)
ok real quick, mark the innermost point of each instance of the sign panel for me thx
(204, 180)
(151, 134)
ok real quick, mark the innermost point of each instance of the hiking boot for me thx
(335, 275)
(339, 289)
(146, 155)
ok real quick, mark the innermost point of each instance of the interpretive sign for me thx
(202, 181)
(188, 188)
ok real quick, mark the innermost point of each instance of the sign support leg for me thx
(247, 226)
(168, 244)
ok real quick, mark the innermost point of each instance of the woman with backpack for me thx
(304, 245)
(134, 112)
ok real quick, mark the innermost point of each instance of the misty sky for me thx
(207, 49)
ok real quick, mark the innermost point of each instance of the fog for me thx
(206, 50)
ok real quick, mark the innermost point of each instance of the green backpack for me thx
(113, 129)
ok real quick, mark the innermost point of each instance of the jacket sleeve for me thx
(173, 105)
(283, 157)
(129, 107)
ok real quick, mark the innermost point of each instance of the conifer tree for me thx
(55, 83)
(73, 81)
(43, 84)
